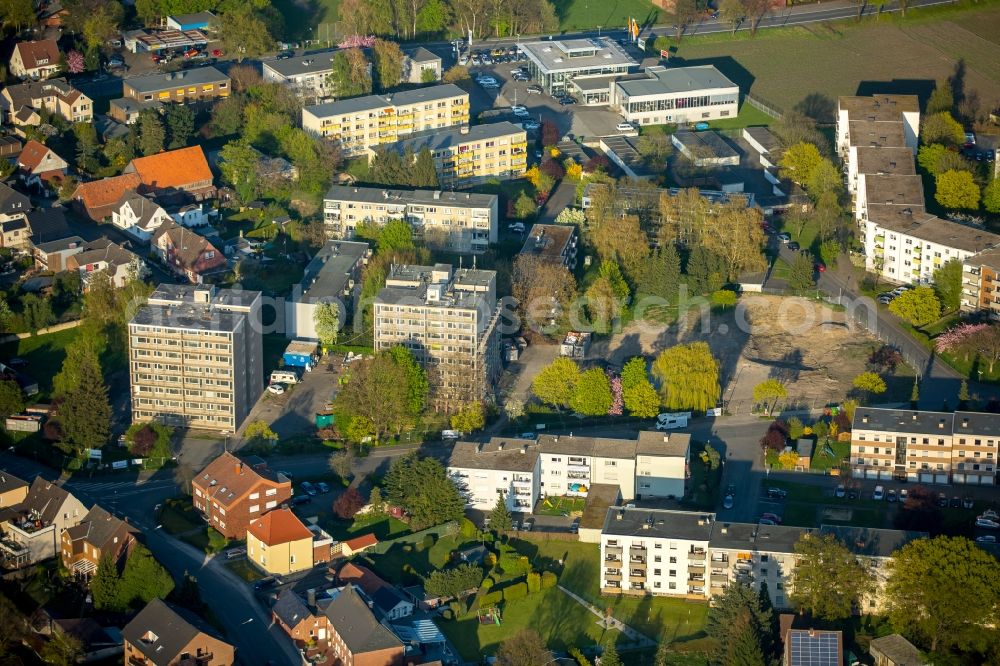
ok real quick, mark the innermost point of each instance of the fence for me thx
(772, 110)
(438, 531)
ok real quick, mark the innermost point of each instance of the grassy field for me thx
(561, 506)
(44, 354)
(821, 460)
(585, 14)
(889, 54)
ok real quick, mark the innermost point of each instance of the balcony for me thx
(633, 578)
(617, 577)
(696, 569)
(697, 555)
(638, 563)
(718, 579)
(611, 560)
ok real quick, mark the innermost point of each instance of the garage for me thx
(912, 476)
(885, 475)
(926, 478)
(871, 473)
(960, 478)
(940, 478)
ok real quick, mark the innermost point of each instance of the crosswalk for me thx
(119, 488)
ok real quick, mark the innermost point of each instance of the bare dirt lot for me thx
(805, 344)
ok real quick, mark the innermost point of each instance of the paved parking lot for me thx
(294, 412)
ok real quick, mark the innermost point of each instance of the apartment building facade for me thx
(231, 492)
(693, 555)
(361, 124)
(332, 276)
(654, 465)
(183, 86)
(472, 155)
(927, 447)
(448, 320)
(676, 95)
(460, 222)
(195, 357)
(53, 95)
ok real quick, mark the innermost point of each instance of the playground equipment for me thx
(489, 615)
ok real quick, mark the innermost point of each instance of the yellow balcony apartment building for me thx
(361, 124)
(472, 155)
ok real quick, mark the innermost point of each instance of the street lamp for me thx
(599, 31)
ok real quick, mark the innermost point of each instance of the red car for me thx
(155, 58)
(190, 53)
(820, 267)
(218, 53)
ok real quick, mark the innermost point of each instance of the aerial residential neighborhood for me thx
(455, 333)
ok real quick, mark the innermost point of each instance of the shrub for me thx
(534, 582)
(448, 614)
(490, 599)
(455, 607)
(549, 580)
(467, 529)
(487, 584)
(428, 541)
(515, 591)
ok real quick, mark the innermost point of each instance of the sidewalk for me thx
(638, 639)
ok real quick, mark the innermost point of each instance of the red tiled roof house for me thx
(231, 492)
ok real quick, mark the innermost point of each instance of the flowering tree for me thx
(357, 42)
(958, 338)
(570, 215)
(617, 402)
(75, 62)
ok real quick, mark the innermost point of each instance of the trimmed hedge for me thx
(549, 579)
(534, 582)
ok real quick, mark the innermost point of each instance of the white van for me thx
(284, 377)
(450, 434)
(668, 421)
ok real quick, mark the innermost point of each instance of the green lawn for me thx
(395, 564)
(177, 515)
(821, 459)
(585, 14)
(244, 570)
(383, 527)
(749, 116)
(561, 506)
(44, 354)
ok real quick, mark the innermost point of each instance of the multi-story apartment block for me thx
(54, 95)
(460, 222)
(693, 555)
(333, 275)
(12, 489)
(230, 493)
(887, 121)
(183, 86)
(552, 243)
(361, 124)
(654, 465)
(929, 447)
(166, 635)
(448, 319)
(99, 534)
(877, 161)
(981, 283)
(31, 530)
(308, 76)
(195, 357)
(676, 95)
(472, 155)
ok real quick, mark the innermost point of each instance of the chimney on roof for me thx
(914, 416)
(311, 597)
(965, 423)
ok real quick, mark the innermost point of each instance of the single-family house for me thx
(165, 635)
(308, 629)
(12, 489)
(392, 604)
(33, 527)
(54, 255)
(230, 492)
(279, 543)
(138, 216)
(362, 577)
(37, 59)
(104, 255)
(96, 642)
(99, 534)
(20, 103)
(186, 253)
(99, 199)
(190, 215)
(47, 224)
(356, 634)
(39, 166)
(418, 61)
(14, 209)
(180, 175)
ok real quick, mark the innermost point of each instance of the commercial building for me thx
(552, 243)
(162, 634)
(196, 356)
(472, 155)
(333, 275)
(231, 492)
(307, 75)
(676, 95)
(53, 95)
(695, 556)
(460, 222)
(555, 63)
(654, 465)
(183, 86)
(361, 124)
(929, 447)
(448, 320)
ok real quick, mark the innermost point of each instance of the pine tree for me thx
(500, 520)
(143, 580)
(610, 656)
(150, 134)
(963, 395)
(915, 394)
(85, 414)
(104, 584)
(661, 273)
(424, 174)
(743, 648)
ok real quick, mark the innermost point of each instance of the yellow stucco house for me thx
(279, 543)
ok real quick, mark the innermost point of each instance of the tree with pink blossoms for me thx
(959, 339)
(617, 401)
(75, 62)
(357, 42)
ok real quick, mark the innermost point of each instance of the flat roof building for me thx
(332, 276)
(361, 124)
(448, 320)
(196, 357)
(676, 95)
(462, 222)
(705, 148)
(554, 63)
(554, 243)
(472, 155)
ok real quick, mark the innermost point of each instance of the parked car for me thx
(903, 494)
(519, 111)
(115, 61)
(308, 488)
(527, 435)
(967, 503)
(190, 53)
(956, 502)
(567, 100)
(986, 538)
(276, 389)
(990, 514)
(777, 493)
(463, 59)
(942, 500)
(841, 491)
(265, 583)
(575, 527)
(218, 53)
(517, 227)
(490, 85)
(891, 496)
(988, 524)
(156, 58)
(784, 237)
(531, 125)
(773, 517)
(301, 499)
(728, 501)
(879, 493)
(766, 521)
(323, 487)
(285, 55)
(853, 494)
(794, 246)
(534, 90)
(625, 127)
(885, 299)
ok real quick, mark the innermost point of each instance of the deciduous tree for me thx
(991, 196)
(869, 383)
(956, 189)
(180, 125)
(326, 318)
(801, 273)
(948, 285)
(11, 398)
(827, 580)
(917, 307)
(388, 61)
(942, 99)
(543, 290)
(592, 393)
(525, 648)
(799, 162)
(18, 14)
(688, 376)
(556, 383)
(641, 399)
(349, 76)
(922, 593)
(942, 128)
(470, 418)
(768, 390)
(244, 32)
(348, 504)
